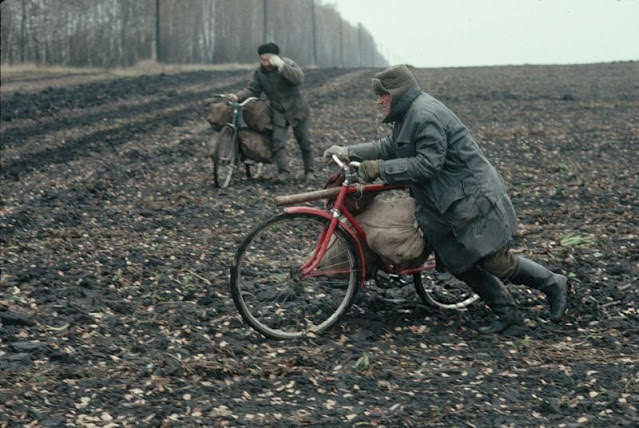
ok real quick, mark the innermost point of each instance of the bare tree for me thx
(108, 33)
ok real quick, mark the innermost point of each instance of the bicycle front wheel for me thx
(447, 294)
(272, 291)
(259, 168)
(224, 157)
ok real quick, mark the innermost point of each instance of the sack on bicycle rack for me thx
(255, 145)
(219, 115)
(257, 116)
(392, 231)
(335, 258)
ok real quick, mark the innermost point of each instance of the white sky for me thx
(448, 33)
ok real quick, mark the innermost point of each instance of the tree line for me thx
(120, 33)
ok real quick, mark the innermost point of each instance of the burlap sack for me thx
(335, 259)
(255, 145)
(392, 234)
(392, 231)
(257, 116)
(219, 115)
(225, 134)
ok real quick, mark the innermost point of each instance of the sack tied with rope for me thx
(254, 133)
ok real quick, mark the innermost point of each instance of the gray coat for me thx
(463, 208)
(282, 90)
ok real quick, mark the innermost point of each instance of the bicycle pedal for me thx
(382, 274)
(388, 276)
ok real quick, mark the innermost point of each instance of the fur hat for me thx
(395, 80)
(271, 48)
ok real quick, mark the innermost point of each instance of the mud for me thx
(116, 247)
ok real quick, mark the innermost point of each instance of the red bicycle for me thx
(284, 284)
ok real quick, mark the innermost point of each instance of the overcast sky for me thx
(443, 33)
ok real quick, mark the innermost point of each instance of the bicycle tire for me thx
(259, 168)
(268, 290)
(224, 158)
(451, 294)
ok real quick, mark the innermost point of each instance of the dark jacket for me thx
(282, 90)
(463, 208)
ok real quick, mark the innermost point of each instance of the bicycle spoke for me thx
(449, 294)
(269, 286)
(224, 157)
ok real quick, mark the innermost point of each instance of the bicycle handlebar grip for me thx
(248, 100)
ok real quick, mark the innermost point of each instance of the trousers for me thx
(302, 137)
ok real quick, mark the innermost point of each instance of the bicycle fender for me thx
(329, 216)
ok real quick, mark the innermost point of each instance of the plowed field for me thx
(115, 253)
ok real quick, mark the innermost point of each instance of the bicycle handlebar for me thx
(230, 102)
(243, 103)
(349, 172)
(338, 161)
(316, 194)
(323, 193)
(344, 166)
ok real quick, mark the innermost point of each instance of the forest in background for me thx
(120, 33)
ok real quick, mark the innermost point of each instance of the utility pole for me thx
(359, 43)
(314, 33)
(157, 30)
(265, 17)
(23, 33)
(341, 42)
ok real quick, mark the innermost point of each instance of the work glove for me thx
(231, 97)
(276, 61)
(340, 151)
(368, 170)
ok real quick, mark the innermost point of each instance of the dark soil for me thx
(114, 301)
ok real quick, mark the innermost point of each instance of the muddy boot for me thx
(279, 159)
(553, 285)
(508, 321)
(282, 177)
(307, 158)
(495, 294)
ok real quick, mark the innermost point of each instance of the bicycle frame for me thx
(352, 227)
(238, 120)
(228, 152)
(294, 275)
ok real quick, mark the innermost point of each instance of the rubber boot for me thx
(554, 286)
(495, 294)
(307, 158)
(279, 159)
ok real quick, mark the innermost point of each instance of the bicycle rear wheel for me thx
(224, 157)
(272, 293)
(451, 293)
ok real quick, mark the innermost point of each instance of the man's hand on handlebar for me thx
(229, 96)
(340, 151)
